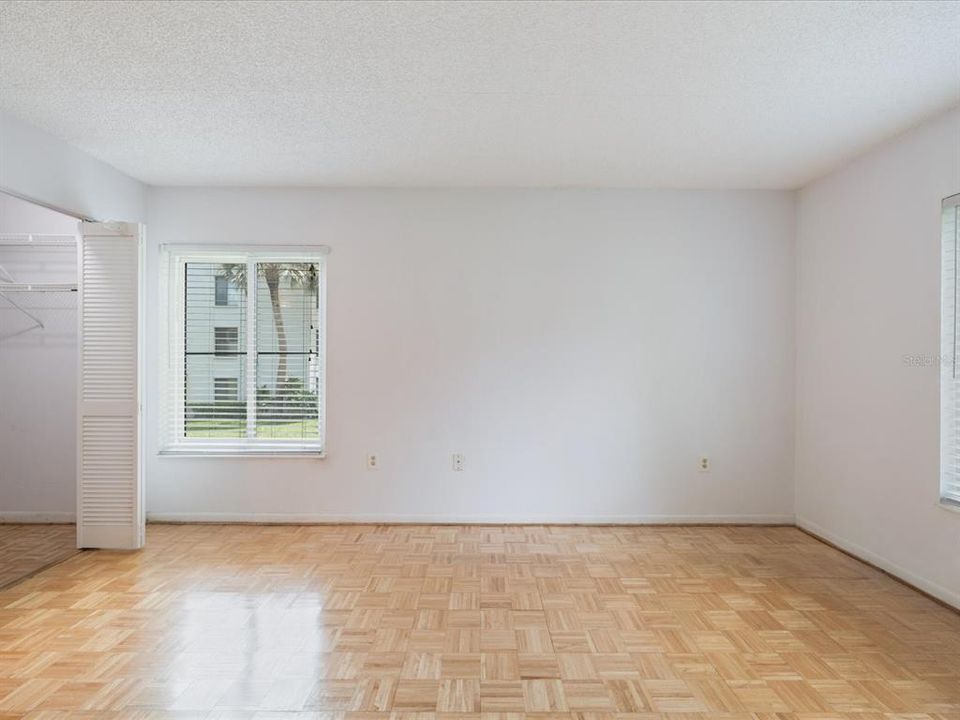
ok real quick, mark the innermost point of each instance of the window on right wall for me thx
(949, 360)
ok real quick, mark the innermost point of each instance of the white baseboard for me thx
(448, 519)
(931, 588)
(49, 518)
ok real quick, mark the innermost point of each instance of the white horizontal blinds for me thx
(109, 485)
(287, 354)
(214, 351)
(244, 364)
(949, 367)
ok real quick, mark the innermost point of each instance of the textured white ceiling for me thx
(658, 94)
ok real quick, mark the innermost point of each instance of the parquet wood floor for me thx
(491, 623)
(24, 549)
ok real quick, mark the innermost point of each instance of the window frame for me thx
(949, 486)
(172, 381)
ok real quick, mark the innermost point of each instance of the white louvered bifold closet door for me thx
(110, 480)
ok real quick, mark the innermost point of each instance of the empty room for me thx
(475, 360)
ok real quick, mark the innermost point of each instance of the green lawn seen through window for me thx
(294, 430)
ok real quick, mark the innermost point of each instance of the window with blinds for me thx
(949, 369)
(243, 367)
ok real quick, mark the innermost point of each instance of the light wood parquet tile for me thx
(25, 549)
(474, 623)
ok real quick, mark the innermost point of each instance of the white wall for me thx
(868, 250)
(38, 166)
(581, 348)
(38, 374)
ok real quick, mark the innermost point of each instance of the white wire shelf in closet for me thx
(34, 240)
(37, 287)
(35, 304)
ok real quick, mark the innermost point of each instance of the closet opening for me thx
(38, 387)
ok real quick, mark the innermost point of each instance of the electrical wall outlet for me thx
(704, 465)
(458, 461)
(373, 461)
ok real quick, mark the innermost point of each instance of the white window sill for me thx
(950, 505)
